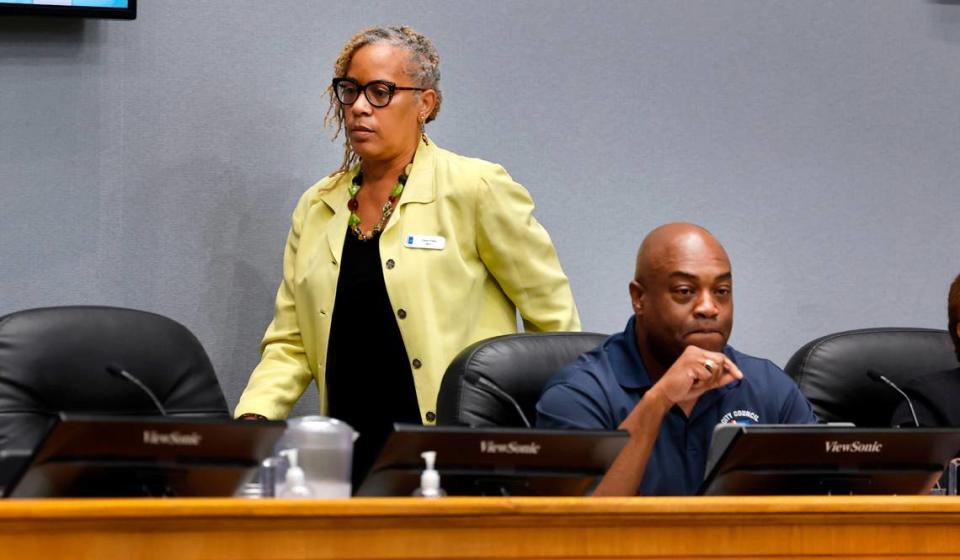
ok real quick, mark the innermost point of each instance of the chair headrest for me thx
(54, 359)
(831, 371)
(520, 364)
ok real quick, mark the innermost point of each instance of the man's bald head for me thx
(682, 292)
(675, 240)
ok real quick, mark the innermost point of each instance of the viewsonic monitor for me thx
(494, 461)
(824, 459)
(145, 456)
(112, 9)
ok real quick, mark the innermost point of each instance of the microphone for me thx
(880, 378)
(117, 371)
(475, 379)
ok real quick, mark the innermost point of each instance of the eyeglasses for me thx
(378, 92)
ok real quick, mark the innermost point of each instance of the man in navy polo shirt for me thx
(670, 376)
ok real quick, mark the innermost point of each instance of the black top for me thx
(369, 381)
(935, 397)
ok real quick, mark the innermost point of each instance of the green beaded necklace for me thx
(388, 206)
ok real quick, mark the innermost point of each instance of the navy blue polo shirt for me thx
(600, 388)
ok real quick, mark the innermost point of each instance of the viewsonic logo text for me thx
(511, 448)
(153, 437)
(853, 447)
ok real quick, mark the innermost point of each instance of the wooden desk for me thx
(476, 528)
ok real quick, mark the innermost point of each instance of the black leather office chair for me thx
(832, 370)
(54, 360)
(519, 364)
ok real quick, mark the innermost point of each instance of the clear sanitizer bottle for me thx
(295, 485)
(429, 478)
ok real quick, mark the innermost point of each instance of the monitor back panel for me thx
(130, 456)
(494, 461)
(829, 460)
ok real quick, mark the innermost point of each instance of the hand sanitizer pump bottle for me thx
(430, 478)
(296, 482)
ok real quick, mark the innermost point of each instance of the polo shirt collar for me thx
(625, 358)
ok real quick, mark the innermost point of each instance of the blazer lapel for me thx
(420, 187)
(336, 200)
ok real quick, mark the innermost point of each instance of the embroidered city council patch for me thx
(740, 417)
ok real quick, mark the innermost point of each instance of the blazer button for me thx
(431, 416)
(390, 264)
(417, 363)
(402, 313)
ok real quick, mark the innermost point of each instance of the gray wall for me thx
(154, 163)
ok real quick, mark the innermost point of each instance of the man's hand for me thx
(695, 372)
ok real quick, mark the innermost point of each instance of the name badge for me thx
(435, 242)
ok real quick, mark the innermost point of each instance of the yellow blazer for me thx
(497, 259)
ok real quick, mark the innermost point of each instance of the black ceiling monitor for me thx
(826, 459)
(110, 9)
(494, 461)
(105, 456)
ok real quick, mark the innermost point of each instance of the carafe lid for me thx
(318, 431)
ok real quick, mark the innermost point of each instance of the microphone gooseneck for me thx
(880, 378)
(117, 371)
(476, 379)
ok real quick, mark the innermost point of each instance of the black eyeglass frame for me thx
(392, 88)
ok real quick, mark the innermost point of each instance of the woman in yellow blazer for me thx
(399, 260)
